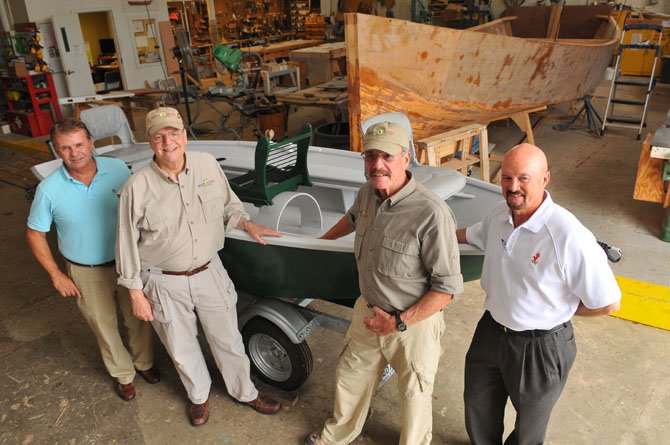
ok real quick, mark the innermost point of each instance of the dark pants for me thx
(531, 369)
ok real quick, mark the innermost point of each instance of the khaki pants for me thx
(413, 354)
(210, 294)
(99, 293)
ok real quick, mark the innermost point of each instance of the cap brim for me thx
(385, 146)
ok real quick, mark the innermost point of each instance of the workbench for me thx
(321, 63)
(279, 50)
(128, 100)
(331, 96)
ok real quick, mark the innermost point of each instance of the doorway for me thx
(102, 51)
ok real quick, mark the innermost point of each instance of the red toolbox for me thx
(26, 122)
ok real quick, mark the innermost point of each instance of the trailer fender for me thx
(285, 316)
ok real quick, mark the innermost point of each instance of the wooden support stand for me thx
(649, 184)
(522, 120)
(441, 150)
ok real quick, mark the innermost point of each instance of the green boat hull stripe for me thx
(281, 271)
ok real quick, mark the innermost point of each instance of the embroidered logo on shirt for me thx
(535, 258)
(206, 183)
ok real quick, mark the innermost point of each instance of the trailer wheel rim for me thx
(269, 357)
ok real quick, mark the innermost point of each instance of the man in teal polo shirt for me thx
(80, 198)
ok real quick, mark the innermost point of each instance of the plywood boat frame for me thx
(445, 78)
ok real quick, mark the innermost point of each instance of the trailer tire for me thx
(274, 358)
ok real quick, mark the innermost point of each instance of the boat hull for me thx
(444, 78)
(299, 265)
(289, 272)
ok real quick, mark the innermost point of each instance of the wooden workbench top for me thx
(335, 49)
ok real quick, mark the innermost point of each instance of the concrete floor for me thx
(54, 388)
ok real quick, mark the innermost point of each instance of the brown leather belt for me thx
(188, 273)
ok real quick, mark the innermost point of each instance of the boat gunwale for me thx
(592, 42)
(307, 242)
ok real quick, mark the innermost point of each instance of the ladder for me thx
(609, 119)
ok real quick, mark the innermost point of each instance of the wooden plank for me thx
(554, 21)
(354, 82)
(280, 49)
(649, 183)
(167, 41)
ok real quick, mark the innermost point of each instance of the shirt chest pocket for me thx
(212, 205)
(155, 226)
(400, 259)
(358, 239)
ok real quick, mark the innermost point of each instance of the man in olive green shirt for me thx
(409, 270)
(173, 214)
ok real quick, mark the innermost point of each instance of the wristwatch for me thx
(399, 324)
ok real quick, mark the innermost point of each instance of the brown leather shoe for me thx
(151, 375)
(125, 391)
(264, 404)
(199, 413)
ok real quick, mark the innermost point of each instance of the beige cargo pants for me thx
(210, 296)
(413, 354)
(98, 306)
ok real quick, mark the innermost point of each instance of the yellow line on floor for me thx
(644, 303)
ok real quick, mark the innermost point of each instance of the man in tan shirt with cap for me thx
(409, 270)
(173, 214)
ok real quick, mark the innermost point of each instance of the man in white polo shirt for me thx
(541, 267)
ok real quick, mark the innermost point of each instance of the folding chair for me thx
(107, 121)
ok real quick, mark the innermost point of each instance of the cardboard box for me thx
(18, 69)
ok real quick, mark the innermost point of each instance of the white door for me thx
(73, 54)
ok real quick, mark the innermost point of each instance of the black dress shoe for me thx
(151, 375)
(125, 391)
(199, 413)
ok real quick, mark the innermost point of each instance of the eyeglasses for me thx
(172, 135)
(370, 156)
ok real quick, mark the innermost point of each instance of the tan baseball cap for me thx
(163, 117)
(388, 137)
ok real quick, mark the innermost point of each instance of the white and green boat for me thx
(302, 191)
(298, 264)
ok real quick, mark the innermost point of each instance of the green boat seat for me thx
(279, 166)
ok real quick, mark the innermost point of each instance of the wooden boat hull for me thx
(445, 78)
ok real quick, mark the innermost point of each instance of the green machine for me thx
(246, 67)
